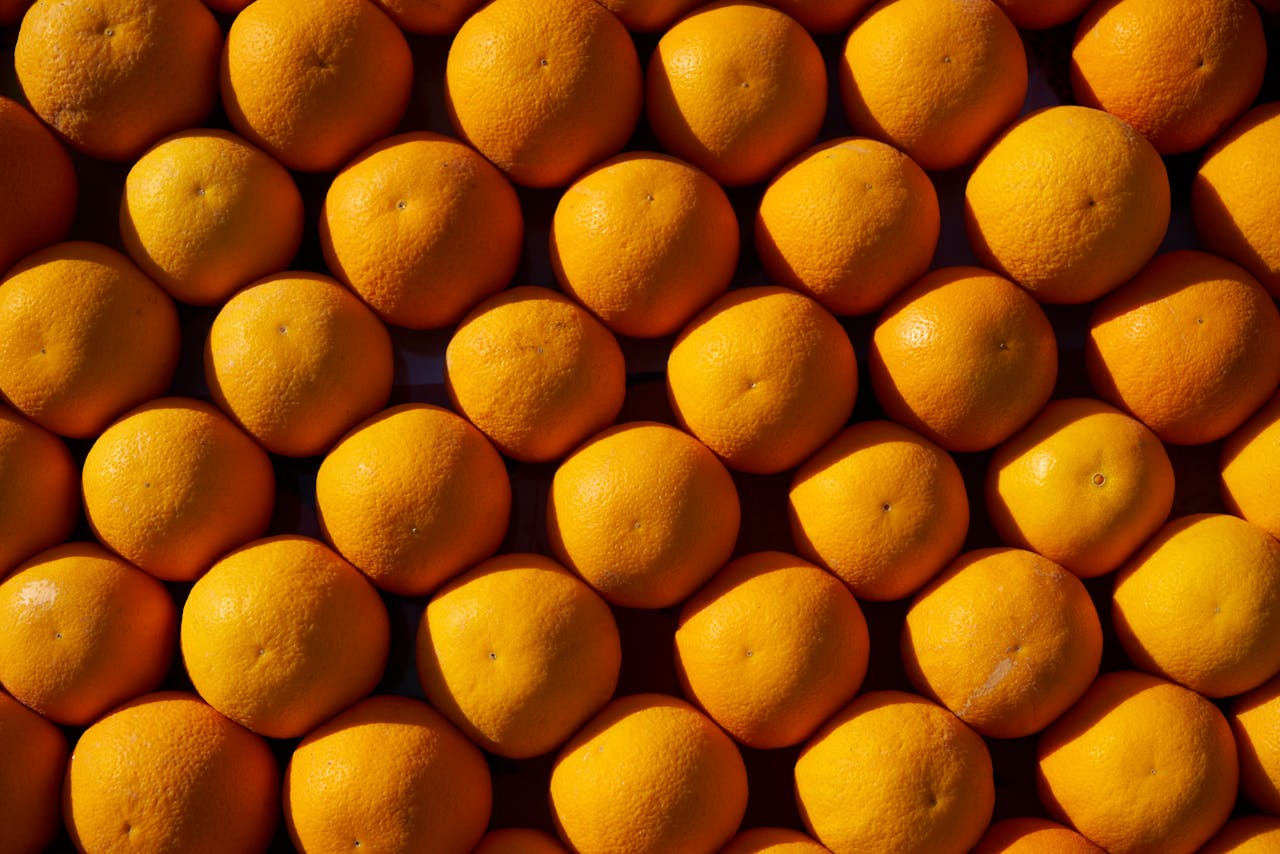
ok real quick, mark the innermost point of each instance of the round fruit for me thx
(39, 490)
(823, 16)
(1248, 834)
(1033, 836)
(1250, 467)
(772, 840)
(648, 16)
(35, 759)
(518, 840)
(1042, 14)
(434, 17)
(1255, 722)
(38, 182)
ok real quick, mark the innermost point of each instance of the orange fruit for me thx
(881, 507)
(113, 76)
(1247, 834)
(39, 490)
(518, 653)
(1005, 639)
(83, 336)
(967, 69)
(1042, 14)
(644, 513)
(412, 497)
(1248, 468)
(1177, 75)
(895, 772)
(823, 16)
(84, 632)
(964, 357)
(648, 774)
(770, 648)
(281, 634)
(296, 360)
(1178, 615)
(35, 753)
(1235, 202)
(1083, 484)
(850, 223)
(168, 773)
(1095, 214)
(534, 372)
(764, 376)
(1033, 836)
(422, 228)
(174, 485)
(1191, 347)
(518, 840)
(543, 88)
(648, 16)
(204, 213)
(772, 840)
(644, 241)
(737, 88)
(1139, 764)
(435, 17)
(388, 774)
(313, 83)
(38, 182)
(1255, 722)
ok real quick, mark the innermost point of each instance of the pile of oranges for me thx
(639, 426)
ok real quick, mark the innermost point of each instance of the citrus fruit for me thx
(35, 753)
(1042, 14)
(648, 16)
(1248, 468)
(772, 840)
(1255, 722)
(850, 223)
(434, 17)
(518, 653)
(412, 497)
(281, 634)
(1247, 834)
(39, 490)
(644, 241)
(388, 774)
(1095, 213)
(964, 357)
(38, 181)
(644, 513)
(736, 88)
(204, 213)
(422, 228)
(763, 376)
(1033, 836)
(649, 773)
(1190, 347)
(518, 840)
(823, 16)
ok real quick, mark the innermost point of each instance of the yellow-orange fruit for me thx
(772, 840)
(434, 17)
(1042, 14)
(38, 184)
(1250, 468)
(35, 753)
(1247, 834)
(1033, 836)
(518, 840)
(648, 16)
(1255, 722)
(39, 490)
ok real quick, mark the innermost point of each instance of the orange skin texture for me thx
(518, 840)
(85, 631)
(1042, 14)
(84, 336)
(174, 485)
(1191, 347)
(649, 16)
(35, 753)
(38, 182)
(737, 88)
(1178, 77)
(1248, 834)
(1255, 722)
(772, 840)
(314, 83)
(1133, 787)
(1250, 466)
(168, 773)
(39, 490)
(433, 17)
(387, 774)
(543, 89)
(1033, 836)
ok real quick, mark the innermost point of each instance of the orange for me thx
(436, 17)
(168, 773)
(1177, 74)
(851, 222)
(84, 632)
(1095, 213)
(764, 376)
(315, 82)
(967, 72)
(543, 88)
(518, 840)
(770, 648)
(83, 336)
(388, 774)
(422, 228)
(281, 634)
(881, 507)
(518, 653)
(204, 213)
(1033, 836)
(895, 772)
(35, 753)
(1191, 347)
(1179, 615)
(296, 360)
(412, 497)
(823, 16)
(534, 372)
(1248, 468)
(737, 88)
(1005, 639)
(39, 490)
(1248, 834)
(38, 182)
(648, 774)
(173, 485)
(1083, 484)
(644, 241)
(1235, 202)
(1042, 14)
(648, 16)
(644, 513)
(1139, 765)
(772, 840)
(1255, 722)
(964, 357)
